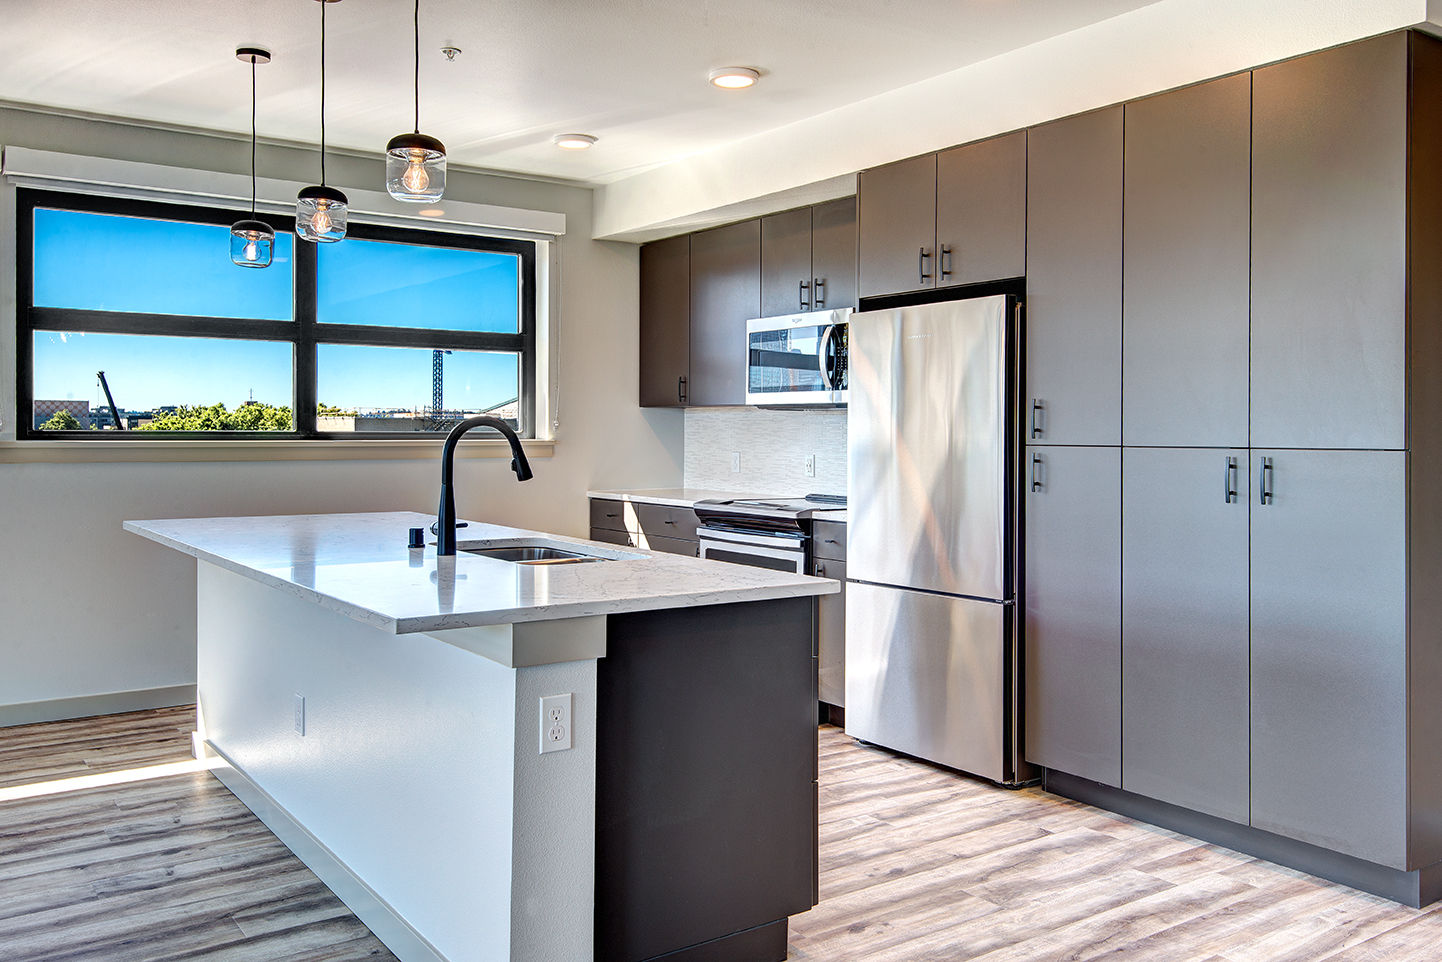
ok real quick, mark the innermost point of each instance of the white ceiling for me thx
(631, 72)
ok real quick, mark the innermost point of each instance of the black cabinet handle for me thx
(1036, 469)
(1036, 418)
(945, 255)
(921, 259)
(1266, 480)
(681, 389)
(1229, 481)
(802, 293)
(818, 292)
(820, 570)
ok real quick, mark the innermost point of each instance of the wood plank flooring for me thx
(917, 864)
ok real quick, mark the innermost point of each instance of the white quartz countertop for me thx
(358, 565)
(686, 497)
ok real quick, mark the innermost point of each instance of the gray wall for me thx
(86, 609)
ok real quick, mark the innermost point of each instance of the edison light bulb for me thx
(320, 223)
(252, 250)
(415, 179)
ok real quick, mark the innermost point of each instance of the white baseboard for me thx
(386, 924)
(114, 703)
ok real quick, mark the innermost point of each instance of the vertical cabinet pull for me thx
(1266, 480)
(945, 260)
(818, 292)
(681, 389)
(820, 570)
(1036, 418)
(921, 260)
(802, 295)
(1036, 470)
(1229, 482)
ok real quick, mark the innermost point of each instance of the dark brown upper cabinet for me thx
(725, 294)
(981, 211)
(665, 322)
(808, 259)
(957, 217)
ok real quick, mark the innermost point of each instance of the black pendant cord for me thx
(252, 136)
(323, 4)
(418, 66)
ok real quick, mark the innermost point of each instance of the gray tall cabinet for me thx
(1237, 456)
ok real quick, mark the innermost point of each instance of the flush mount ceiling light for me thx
(416, 162)
(734, 78)
(252, 241)
(574, 141)
(320, 212)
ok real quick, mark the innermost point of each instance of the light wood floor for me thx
(916, 864)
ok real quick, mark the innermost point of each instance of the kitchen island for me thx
(380, 709)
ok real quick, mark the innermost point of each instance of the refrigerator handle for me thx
(1266, 480)
(1036, 469)
(1229, 483)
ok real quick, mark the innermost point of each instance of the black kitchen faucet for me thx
(446, 517)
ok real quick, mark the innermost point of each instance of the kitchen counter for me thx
(687, 497)
(358, 565)
(381, 710)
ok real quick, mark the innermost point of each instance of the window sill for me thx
(100, 452)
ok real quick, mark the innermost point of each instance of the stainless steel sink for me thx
(533, 555)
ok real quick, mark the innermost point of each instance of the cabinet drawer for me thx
(828, 540)
(690, 549)
(608, 536)
(614, 515)
(666, 521)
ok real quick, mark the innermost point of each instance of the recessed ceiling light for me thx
(574, 141)
(433, 212)
(734, 78)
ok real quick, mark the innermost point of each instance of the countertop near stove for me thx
(687, 497)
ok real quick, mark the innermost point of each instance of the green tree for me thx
(61, 420)
(325, 410)
(247, 417)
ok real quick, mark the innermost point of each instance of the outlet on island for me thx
(555, 723)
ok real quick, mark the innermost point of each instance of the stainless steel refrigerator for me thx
(931, 634)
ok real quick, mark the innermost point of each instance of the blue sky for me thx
(105, 262)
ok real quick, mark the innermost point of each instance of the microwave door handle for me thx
(822, 358)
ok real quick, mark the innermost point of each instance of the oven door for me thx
(779, 552)
(797, 359)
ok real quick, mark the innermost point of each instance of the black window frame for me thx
(303, 331)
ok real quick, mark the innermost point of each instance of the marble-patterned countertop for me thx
(359, 565)
(686, 497)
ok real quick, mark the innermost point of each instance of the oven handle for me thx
(821, 356)
(799, 557)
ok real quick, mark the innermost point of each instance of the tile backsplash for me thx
(772, 445)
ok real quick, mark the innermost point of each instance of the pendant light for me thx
(252, 241)
(320, 212)
(416, 162)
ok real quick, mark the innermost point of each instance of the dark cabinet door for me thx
(981, 211)
(1185, 641)
(1074, 279)
(1329, 248)
(665, 321)
(1073, 611)
(725, 294)
(896, 227)
(1329, 650)
(1186, 293)
(831, 635)
(786, 262)
(833, 254)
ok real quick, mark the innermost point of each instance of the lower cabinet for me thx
(658, 527)
(1073, 652)
(1185, 658)
(1329, 650)
(831, 636)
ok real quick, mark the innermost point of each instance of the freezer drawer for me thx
(925, 676)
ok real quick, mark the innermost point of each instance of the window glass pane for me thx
(404, 285)
(105, 262)
(164, 383)
(390, 388)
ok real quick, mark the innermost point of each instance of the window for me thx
(391, 332)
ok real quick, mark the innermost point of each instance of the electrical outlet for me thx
(555, 723)
(300, 715)
(735, 462)
(811, 465)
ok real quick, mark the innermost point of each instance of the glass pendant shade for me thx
(416, 168)
(252, 243)
(320, 215)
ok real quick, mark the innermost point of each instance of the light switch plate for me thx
(555, 723)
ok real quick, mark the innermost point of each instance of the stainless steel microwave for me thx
(797, 359)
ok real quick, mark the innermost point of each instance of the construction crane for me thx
(438, 377)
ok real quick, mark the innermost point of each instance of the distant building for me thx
(45, 410)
